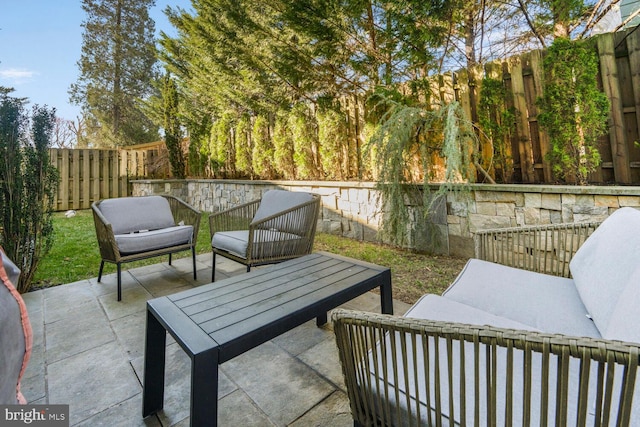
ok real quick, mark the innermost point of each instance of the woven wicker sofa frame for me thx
(356, 333)
(301, 217)
(370, 344)
(110, 253)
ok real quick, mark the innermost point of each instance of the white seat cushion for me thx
(132, 243)
(272, 242)
(547, 303)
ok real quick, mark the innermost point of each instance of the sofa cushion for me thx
(547, 303)
(274, 201)
(132, 243)
(130, 214)
(271, 242)
(16, 335)
(435, 307)
(622, 323)
(606, 263)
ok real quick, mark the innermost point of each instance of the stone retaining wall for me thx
(351, 209)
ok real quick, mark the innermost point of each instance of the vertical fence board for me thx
(538, 83)
(86, 179)
(75, 156)
(633, 47)
(522, 120)
(64, 172)
(609, 71)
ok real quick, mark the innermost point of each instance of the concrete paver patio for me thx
(88, 353)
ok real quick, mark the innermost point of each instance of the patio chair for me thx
(279, 226)
(134, 228)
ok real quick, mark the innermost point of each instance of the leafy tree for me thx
(283, 147)
(243, 144)
(304, 133)
(27, 184)
(262, 156)
(117, 69)
(333, 140)
(172, 127)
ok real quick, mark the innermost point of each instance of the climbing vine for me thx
(573, 110)
(497, 122)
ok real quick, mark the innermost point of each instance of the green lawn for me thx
(75, 256)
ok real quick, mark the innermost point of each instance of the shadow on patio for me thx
(88, 353)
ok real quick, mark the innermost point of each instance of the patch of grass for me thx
(75, 256)
(412, 274)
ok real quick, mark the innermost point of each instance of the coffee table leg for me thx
(386, 298)
(204, 388)
(154, 361)
(321, 320)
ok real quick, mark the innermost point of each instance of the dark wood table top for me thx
(241, 312)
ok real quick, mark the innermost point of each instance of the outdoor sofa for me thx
(506, 345)
(134, 228)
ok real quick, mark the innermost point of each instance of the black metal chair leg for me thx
(170, 259)
(119, 282)
(100, 271)
(193, 256)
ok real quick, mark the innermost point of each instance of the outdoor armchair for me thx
(134, 228)
(279, 226)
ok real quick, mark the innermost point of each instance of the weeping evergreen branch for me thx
(406, 146)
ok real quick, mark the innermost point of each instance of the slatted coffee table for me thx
(216, 322)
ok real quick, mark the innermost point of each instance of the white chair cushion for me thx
(130, 214)
(236, 242)
(132, 243)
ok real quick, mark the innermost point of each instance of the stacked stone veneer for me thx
(351, 209)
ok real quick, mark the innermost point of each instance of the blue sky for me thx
(40, 42)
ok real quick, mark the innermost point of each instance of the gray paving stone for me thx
(84, 330)
(323, 357)
(125, 414)
(130, 331)
(92, 381)
(281, 386)
(304, 337)
(237, 409)
(333, 411)
(163, 282)
(134, 300)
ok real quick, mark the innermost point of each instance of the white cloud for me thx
(17, 76)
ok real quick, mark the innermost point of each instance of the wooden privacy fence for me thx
(87, 175)
(528, 144)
